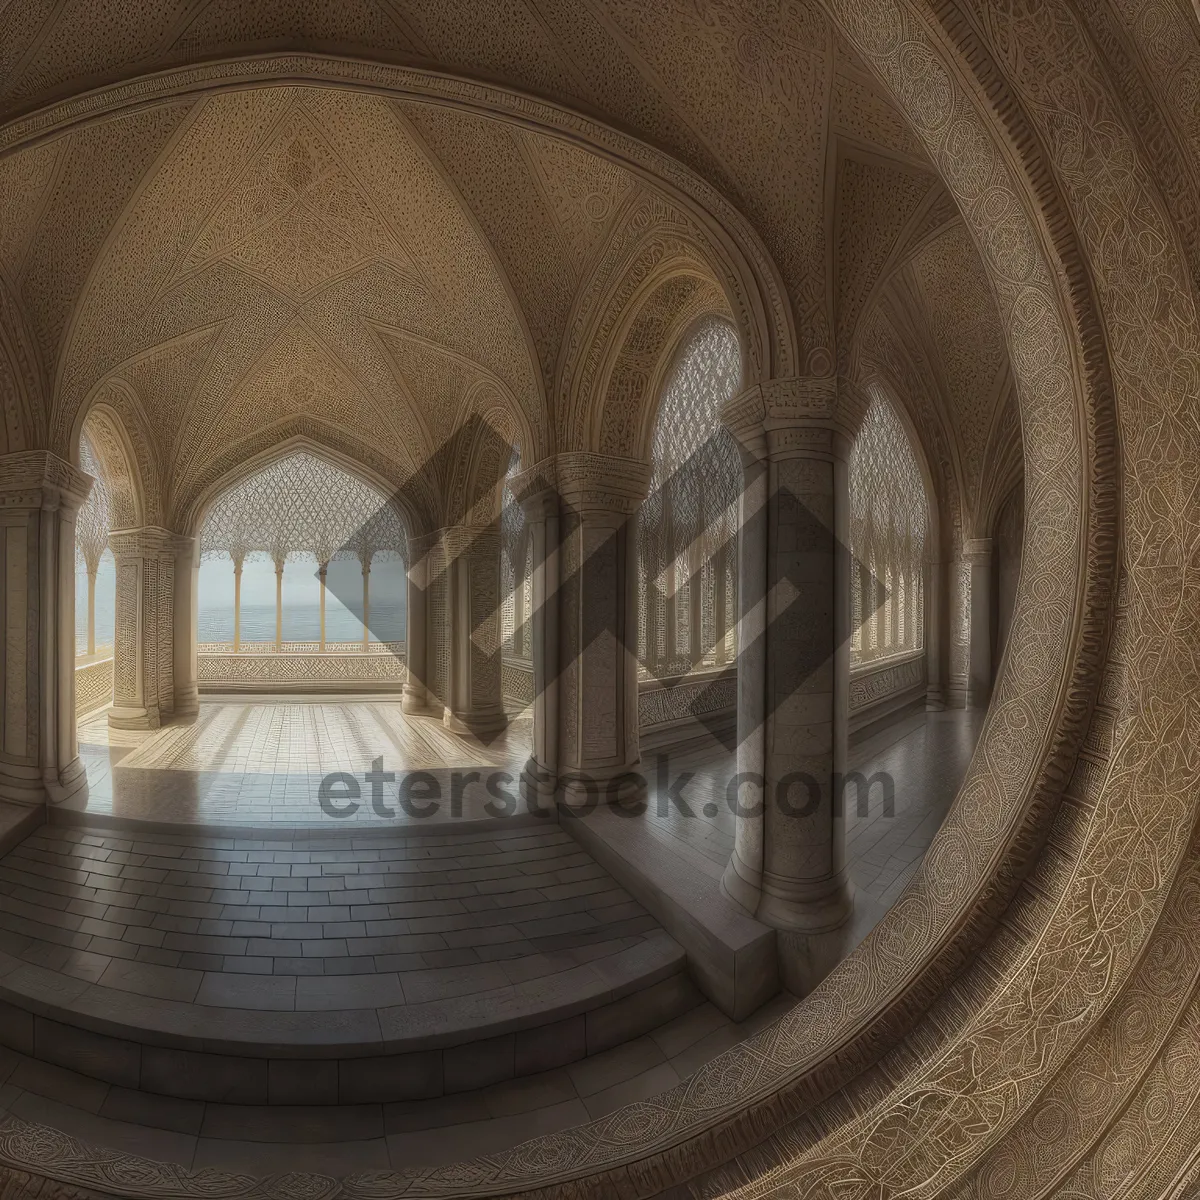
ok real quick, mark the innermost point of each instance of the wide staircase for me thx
(371, 967)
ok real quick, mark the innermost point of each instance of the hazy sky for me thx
(300, 583)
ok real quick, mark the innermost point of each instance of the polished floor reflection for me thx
(923, 758)
(262, 762)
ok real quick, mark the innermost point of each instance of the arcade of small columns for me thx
(787, 868)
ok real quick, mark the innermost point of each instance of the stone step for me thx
(322, 971)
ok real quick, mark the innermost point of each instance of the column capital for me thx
(150, 541)
(536, 489)
(602, 483)
(39, 479)
(458, 540)
(799, 417)
(977, 550)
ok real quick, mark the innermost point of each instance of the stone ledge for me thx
(371, 1055)
(732, 957)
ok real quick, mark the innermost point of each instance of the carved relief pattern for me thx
(684, 701)
(871, 684)
(302, 505)
(874, 204)
(125, 636)
(93, 685)
(216, 671)
(966, 333)
(517, 682)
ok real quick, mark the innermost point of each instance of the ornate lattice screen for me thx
(303, 506)
(889, 518)
(687, 603)
(92, 523)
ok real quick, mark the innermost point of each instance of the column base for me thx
(742, 884)
(71, 781)
(582, 790)
(806, 958)
(187, 702)
(800, 909)
(134, 718)
(538, 787)
(29, 788)
(475, 724)
(414, 700)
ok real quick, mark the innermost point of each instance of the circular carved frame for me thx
(976, 136)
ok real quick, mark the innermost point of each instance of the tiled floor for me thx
(925, 757)
(430, 916)
(262, 762)
(349, 1138)
(433, 906)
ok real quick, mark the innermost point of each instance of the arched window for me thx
(687, 545)
(302, 509)
(888, 522)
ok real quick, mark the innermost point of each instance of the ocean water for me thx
(301, 619)
(302, 623)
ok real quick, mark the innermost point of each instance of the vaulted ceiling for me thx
(230, 269)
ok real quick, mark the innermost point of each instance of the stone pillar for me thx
(366, 574)
(788, 865)
(279, 605)
(598, 683)
(977, 554)
(537, 493)
(416, 697)
(237, 605)
(474, 703)
(936, 630)
(92, 572)
(40, 495)
(185, 619)
(143, 666)
(322, 575)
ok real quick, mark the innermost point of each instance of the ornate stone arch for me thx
(878, 358)
(329, 443)
(23, 410)
(494, 435)
(662, 289)
(120, 464)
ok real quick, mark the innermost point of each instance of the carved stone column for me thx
(144, 653)
(788, 865)
(474, 701)
(936, 631)
(417, 697)
(237, 605)
(536, 490)
(40, 495)
(598, 684)
(977, 555)
(185, 620)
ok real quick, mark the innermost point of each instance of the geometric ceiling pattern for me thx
(229, 271)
